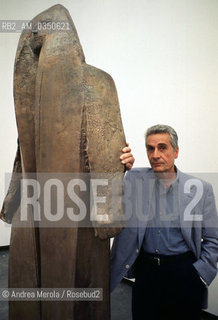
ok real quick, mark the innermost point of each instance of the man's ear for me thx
(176, 152)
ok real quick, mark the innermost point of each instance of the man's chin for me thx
(158, 169)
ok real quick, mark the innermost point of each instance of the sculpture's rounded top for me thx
(56, 21)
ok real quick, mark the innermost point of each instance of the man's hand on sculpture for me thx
(127, 157)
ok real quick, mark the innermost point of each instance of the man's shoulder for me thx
(139, 172)
(185, 177)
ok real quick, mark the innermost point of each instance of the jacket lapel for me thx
(184, 201)
(148, 183)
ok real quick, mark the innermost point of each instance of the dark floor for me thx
(120, 298)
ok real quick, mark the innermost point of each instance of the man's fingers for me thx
(126, 150)
(129, 166)
(125, 156)
(129, 159)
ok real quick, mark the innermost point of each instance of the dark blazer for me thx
(196, 203)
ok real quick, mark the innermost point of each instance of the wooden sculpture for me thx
(68, 121)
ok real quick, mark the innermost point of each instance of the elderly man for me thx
(170, 244)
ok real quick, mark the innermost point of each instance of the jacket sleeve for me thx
(206, 265)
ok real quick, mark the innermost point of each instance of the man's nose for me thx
(156, 153)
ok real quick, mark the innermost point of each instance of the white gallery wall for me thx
(163, 57)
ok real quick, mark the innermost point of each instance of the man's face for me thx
(161, 154)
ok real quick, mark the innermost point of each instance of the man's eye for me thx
(162, 147)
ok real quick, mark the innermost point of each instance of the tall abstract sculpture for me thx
(68, 121)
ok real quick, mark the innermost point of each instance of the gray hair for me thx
(162, 128)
